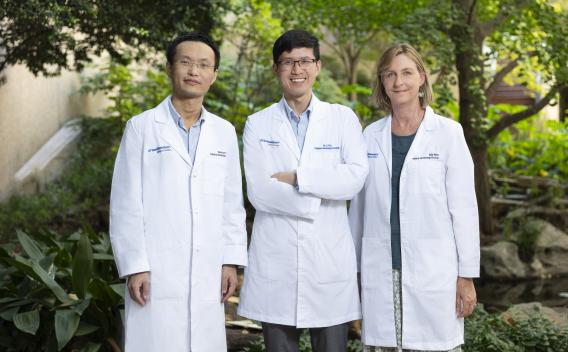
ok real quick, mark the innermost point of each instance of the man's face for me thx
(297, 71)
(193, 70)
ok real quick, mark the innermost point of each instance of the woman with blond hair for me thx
(415, 222)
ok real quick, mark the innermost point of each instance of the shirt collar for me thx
(292, 115)
(179, 120)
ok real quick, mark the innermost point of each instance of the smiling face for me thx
(193, 70)
(402, 81)
(297, 81)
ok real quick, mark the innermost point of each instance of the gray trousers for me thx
(285, 338)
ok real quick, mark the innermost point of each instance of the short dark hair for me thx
(192, 37)
(292, 39)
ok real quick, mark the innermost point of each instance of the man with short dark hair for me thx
(177, 222)
(303, 159)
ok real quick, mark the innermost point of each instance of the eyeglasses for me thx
(390, 76)
(302, 63)
(198, 65)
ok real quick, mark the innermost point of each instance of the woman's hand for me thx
(466, 298)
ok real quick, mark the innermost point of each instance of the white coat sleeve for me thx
(234, 227)
(266, 193)
(126, 208)
(462, 204)
(344, 180)
(356, 223)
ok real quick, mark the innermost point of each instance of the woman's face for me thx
(402, 81)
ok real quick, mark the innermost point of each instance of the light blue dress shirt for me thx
(299, 123)
(189, 136)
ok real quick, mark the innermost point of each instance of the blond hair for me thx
(379, 92)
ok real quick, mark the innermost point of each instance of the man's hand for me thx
(466, 298)
(139, 287)
(288, 177)
(228, 282)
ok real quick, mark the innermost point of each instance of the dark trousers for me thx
(284, 338)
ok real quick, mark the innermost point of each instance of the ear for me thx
(215, 76)
(275, 68)
(422, 78)
(318, 68)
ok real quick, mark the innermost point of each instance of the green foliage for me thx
(485, 332)
(131, 90)
(524, 230)
(59, 293)
(47, 35)
(532, 149)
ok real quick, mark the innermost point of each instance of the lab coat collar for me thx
(286, 129)
(313, 107)
(383, 135)
(168, 130)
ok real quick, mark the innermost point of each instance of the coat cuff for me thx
(469, 271)
(128, 268)
(235, 255)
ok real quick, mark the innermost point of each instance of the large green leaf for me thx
(27, 321)
(85, 329)
(66, 324)
(30, 246)
(8, 313)
(82, 266)
(103, 256)
(34, 270)
(120, 289)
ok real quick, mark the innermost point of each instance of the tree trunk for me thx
(563, 106)
(352, 81)
(483, 189)
(469, 66)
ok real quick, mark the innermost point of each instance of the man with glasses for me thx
(177, 222)
(303, 159)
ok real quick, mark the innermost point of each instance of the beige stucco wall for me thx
(32, 109)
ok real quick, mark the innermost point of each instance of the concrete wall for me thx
(32, 109)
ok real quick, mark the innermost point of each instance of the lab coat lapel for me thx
(316, 118)
(205, 139)
(384, 139)
(168, 130)
(428, 124)
(285, 131)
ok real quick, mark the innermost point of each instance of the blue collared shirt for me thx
(189, 136)
(299, 123)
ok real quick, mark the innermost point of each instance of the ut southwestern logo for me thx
(372, 155)
(270, 142)
(160, 149)
(327, 147)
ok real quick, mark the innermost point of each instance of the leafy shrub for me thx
(531, 148)
(60, 294)
(486, 332)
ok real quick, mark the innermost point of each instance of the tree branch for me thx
(499, 76)
(488, 27)
(508, 120)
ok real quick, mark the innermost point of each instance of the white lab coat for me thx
(439, 234)
(302, 265)
(182, 237)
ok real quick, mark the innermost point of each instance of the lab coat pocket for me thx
(169, 277)
(434, 264)
(214, 169)
(335, 258)
(375, 261)
(425, 176)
